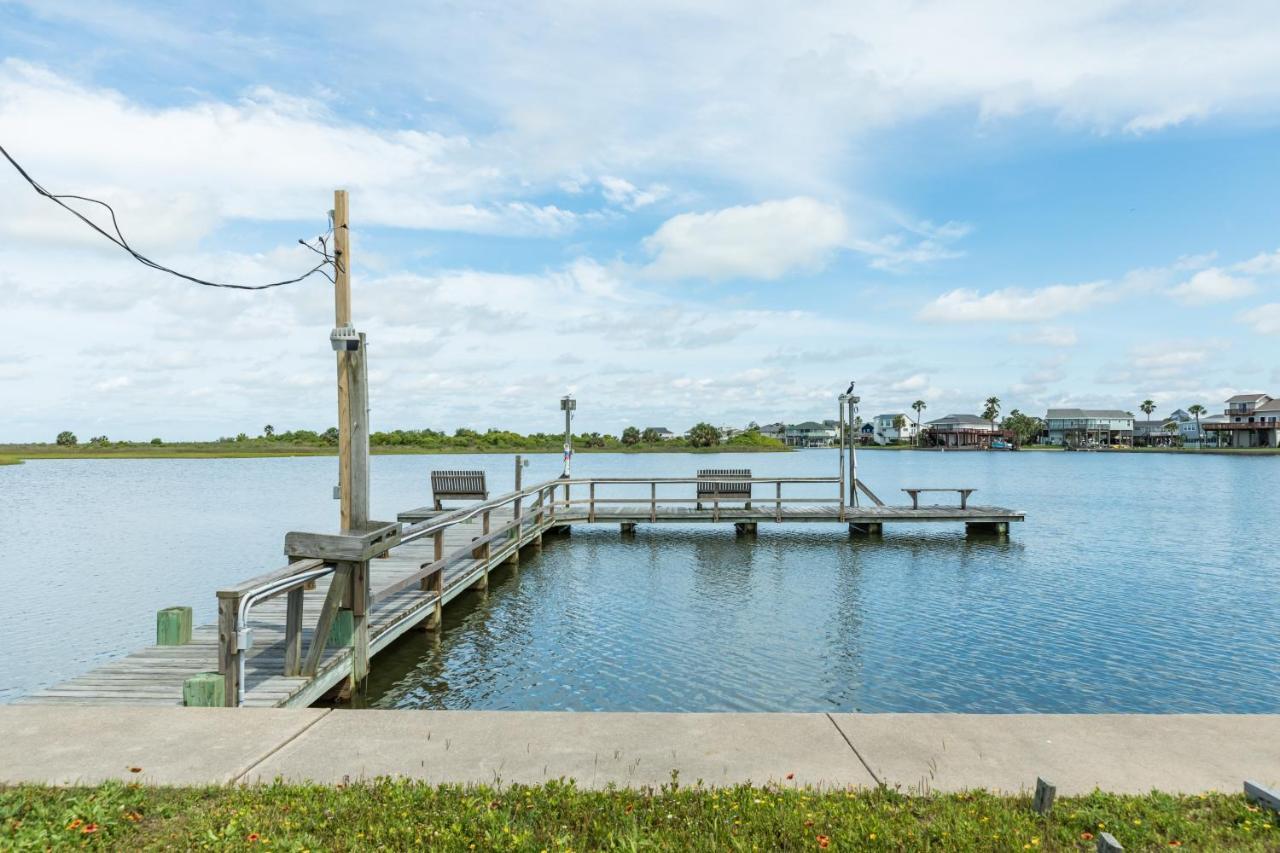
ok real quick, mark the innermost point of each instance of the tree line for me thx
(701, 435)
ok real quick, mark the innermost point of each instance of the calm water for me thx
(1138, 583)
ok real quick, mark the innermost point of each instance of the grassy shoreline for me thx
(404, 815)
(16, 453)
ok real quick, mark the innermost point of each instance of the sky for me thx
(676, 212)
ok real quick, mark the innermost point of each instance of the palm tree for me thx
(899, 424)
(1198, 410)
(992, 411)
(919, 406)
(1148, 406)
(1172, 429)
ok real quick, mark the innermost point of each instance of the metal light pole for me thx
(567, 405)
(848, 408)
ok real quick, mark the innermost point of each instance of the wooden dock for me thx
(265, 652)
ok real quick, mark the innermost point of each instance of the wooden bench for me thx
(459, 486)
(964, 496)
(719, 484)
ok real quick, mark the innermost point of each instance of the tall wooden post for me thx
(353, 386)
(353, 433)
(842, 440)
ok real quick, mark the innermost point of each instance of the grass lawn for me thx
(558, 816)
(10, 460)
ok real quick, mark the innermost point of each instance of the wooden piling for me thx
(204, 690)
(173, 626)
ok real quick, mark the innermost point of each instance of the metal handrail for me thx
(247, 600)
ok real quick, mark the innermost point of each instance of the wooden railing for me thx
(777, 499)
(350, 588)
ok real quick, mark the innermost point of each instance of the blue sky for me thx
(677, 212)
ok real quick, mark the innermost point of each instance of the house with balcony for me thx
(810, 434)
(662, 433)
(1250, 420)
(1088, 427)
(885, 429)
(960, 432)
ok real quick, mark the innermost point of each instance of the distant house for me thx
(728, 432)
(1156, 433)
(774, 430)
(960, 431)
(810, 434)
(1082, 427)
(662, 433)
(1251, 420)
(885, 430)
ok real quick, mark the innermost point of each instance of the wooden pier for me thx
(308, 630)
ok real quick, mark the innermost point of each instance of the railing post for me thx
(777, 502)
(360, 622)
(519, 480)
(293, 633)
(552, 502)
(228, 651)
(591, 506)
(439, 544)
(653, 501)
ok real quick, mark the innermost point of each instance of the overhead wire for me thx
(119, 239)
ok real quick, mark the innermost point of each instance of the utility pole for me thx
(353, 438)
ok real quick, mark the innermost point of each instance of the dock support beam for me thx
(628, 528)
(744, 528)
(986, 528)
(866, 529)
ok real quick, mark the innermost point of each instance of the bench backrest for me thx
(720, 482)
(458, 485)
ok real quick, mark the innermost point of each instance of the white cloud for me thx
(1264, 264)
(924, 243)
(763, 241)
(1047, 336)
(915, 382)
(626, 194)
(1265, 319)
(1014, 305)
(1212, 285)
(175, 173)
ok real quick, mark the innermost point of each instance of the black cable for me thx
(120, 241)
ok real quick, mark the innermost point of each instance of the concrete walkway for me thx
(919, 752)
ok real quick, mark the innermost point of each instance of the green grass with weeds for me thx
(561, 816)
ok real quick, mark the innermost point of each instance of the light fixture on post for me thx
(568, 405)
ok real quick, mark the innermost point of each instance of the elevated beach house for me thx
(1251, 420)
(1083, 427)
(960, 431)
